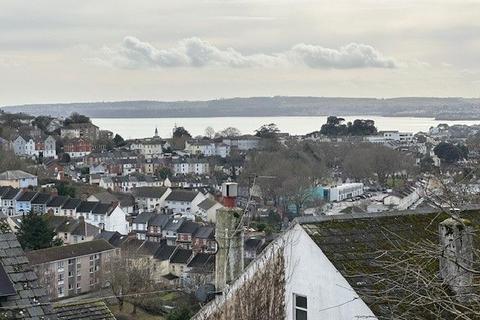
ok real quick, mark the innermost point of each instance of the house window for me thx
(300, 307)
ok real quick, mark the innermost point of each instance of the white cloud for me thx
(194, 52)
(353, 55)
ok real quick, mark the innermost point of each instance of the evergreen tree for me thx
(267, 131)
(76, 118)
(65, 190)
(181, 132)
(334, 127)
(164, 172)
(118, 141)
(450, 153)
(34, 233)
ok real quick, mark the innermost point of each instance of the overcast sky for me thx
(91, 50)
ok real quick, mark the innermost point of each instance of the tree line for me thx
(335, 126)
(287, 174)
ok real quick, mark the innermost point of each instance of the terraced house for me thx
(184, 201)
(8, 197)
(41, 146)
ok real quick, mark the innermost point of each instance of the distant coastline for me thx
(438, 108)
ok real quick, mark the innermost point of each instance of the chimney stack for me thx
(229, 235)
(229, 194)
(456, 260)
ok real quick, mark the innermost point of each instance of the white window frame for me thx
(295, 307)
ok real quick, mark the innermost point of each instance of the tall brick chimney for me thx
(229, 262)
(456, 260)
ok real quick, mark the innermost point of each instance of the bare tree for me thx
(9, 161)
(130, 277)
(356, 164)
(408, 283)
(294, 171)
(209, 132)
(229, 132)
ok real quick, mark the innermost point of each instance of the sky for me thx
(88, 50)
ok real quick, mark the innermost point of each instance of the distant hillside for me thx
(443, 108)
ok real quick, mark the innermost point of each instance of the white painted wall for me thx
(211, 213)
(185, 207)
(311, 274)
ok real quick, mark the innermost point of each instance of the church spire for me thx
(156, 132)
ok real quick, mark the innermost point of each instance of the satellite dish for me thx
(205, 293)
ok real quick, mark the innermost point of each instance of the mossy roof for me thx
(95, 310)
(357, 245)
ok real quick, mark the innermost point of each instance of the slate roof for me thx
(173, 224)
(71, 203)
(78, 227)
(149, 247)
(181, 256)
(30, 301)
(103, 208)
(188, 227)
(57, 201)
(207, 204)
(164, 252)
(6, 285)
(356, 243)
(113, 237)
(41, 198)
(203, 261)
(96, 310)
(70, 251)
(86, 206)
(181, 195)
(4, 190)
(144, 217)
(27, 196)
(205, 232)
(142, 247)
(149, 192)
(131, 245)
(10, 194)
(126, 200)
(15, 174)
(159, 220)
